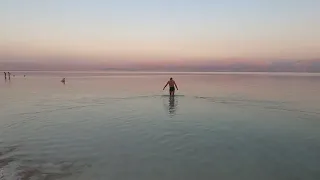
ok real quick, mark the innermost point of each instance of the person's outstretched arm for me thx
(176, 85)
(166, 85)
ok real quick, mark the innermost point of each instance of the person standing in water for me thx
(172, 84)
(5, 75)
(9, 74)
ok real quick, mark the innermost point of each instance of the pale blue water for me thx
(122, 126)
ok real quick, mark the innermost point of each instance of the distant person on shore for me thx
(63, 80)
(5, 75)
(9, 74)
(172, 84)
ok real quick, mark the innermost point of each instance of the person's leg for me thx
(172, 93)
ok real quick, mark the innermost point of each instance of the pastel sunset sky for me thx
(163, 30)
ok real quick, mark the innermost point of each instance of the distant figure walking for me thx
(172, 84)
(63, 80)
(9, 74)
(5, 75)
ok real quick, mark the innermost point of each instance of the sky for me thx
(122, 31)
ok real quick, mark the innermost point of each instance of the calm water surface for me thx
(122, 126)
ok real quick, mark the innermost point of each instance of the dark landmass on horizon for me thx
(311, 66)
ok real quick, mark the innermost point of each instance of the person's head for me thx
(171, 79)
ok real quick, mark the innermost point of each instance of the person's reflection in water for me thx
(173, 104)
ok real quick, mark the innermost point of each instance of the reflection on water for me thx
(172, 105)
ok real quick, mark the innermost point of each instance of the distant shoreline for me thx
(150, 71)
(112, 73)
(146, 71)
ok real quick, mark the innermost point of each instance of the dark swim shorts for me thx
(172, 88)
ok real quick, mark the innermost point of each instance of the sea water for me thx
(119, 126)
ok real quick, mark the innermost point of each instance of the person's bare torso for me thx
(171, 83)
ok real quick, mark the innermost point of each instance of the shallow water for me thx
(123, 126)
